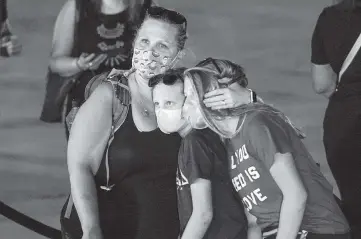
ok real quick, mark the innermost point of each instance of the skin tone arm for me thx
(324, 79)
(235, 95)
(202, 214)
(254, 231)
(63, 38)
(293, 206)
(88, 139)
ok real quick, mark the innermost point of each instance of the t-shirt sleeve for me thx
(197, 159)
(267, 135)
(318, 54)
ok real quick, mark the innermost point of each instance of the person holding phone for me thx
(92, 37)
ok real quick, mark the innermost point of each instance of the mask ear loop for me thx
(174, 62)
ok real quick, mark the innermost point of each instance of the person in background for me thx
(207, 206)
(336, 31)
(281, 186)
(94, 36)
(9, 43)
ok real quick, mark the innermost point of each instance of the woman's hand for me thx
(231, 97)
(90, 61)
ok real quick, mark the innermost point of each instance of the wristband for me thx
(252, 96)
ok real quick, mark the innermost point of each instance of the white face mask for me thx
(150, 63)
(169, 120)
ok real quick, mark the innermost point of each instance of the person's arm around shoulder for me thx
(231, 97)
(88, 139)
(272, 145)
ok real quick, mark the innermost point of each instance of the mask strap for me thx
(174, 61)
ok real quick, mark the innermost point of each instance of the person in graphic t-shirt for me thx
(281, 186)
(207, 204)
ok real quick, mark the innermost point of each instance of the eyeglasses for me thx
(172, 16)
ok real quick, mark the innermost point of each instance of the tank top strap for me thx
(121, 94)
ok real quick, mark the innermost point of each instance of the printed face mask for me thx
(149, 63)
(169, 120)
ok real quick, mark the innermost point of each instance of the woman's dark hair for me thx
(171, 17)
(136, 9)
(170, 77)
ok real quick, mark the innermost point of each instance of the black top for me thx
(335, 33)
(143, 202)
(100, 33)
(202, 155)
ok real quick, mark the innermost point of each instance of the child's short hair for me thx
(170, 77)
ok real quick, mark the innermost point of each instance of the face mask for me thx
(149, 63)
(169, 120)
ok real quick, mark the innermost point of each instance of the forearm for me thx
(327, 93)
(197, 225)
(254, 232)
(85, 199)
(292, 211)
(64, 65)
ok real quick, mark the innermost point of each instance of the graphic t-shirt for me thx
(251, 155)
(202, 155)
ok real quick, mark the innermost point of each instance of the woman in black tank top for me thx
(91, 38)
(126, 188)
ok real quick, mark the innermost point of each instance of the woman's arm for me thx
(324, 79)
(88, 138)
(61, 61)
(293, 206)
(202, 214)
(254, 231)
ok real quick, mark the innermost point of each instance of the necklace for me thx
(145, 111)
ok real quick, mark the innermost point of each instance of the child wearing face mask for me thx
(207, 204)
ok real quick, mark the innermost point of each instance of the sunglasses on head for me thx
(167, 79)
(172, 16)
